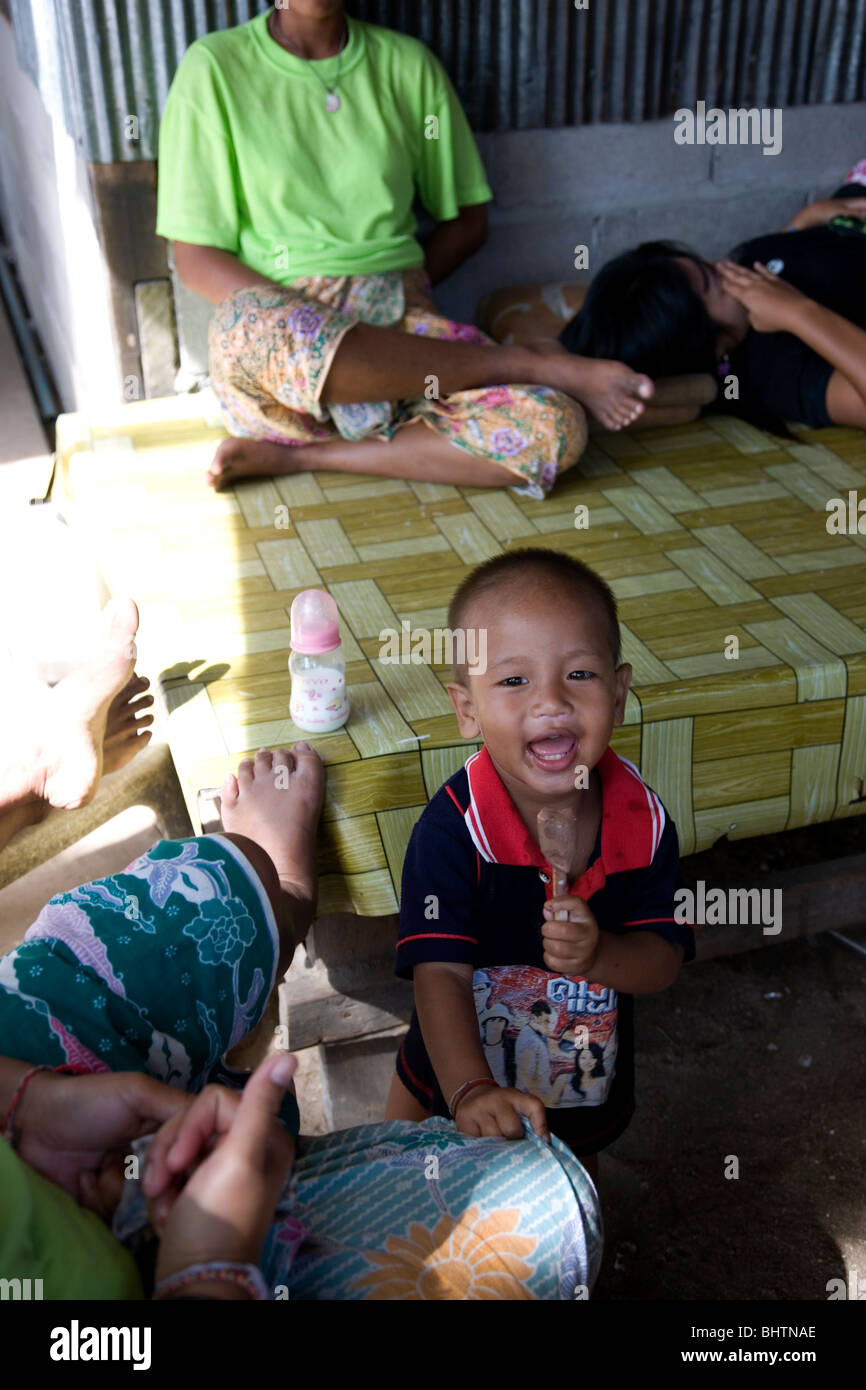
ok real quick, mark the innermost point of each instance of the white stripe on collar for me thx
(656, 809)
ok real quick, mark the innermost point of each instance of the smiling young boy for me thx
(481, 933)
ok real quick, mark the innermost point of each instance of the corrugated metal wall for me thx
(518, 64)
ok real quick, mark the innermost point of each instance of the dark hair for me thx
(598, 1070)
(642, 310)
(540, 1006)
(494, 1018)
(566, 568)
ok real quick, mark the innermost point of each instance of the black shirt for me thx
(780, 377)
(473, 893)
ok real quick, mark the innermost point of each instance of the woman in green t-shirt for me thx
(292, 149)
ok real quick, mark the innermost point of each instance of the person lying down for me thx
(781, 321)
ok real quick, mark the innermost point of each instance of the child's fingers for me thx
(564, 952)
(574, 910)
(505, 1122)
(532, 1108)
(561, 909)
(572, 957)
(489, 1122)
(566, 964)
(564, 937)
(565, 928)
(568, 900)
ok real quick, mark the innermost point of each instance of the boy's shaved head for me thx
(526, 568)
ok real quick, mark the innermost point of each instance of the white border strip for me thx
(656, 809)
(473, 819)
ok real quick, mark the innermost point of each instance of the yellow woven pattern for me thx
(706, 532)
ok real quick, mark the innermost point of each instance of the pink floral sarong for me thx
(271, 351)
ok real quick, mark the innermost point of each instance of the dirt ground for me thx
(759, 1056)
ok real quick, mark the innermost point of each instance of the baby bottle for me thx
(319, 703)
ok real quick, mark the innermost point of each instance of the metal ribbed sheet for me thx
(518, 64)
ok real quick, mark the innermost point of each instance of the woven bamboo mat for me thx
(706, 532)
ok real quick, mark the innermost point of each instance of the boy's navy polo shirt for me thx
(474, 887)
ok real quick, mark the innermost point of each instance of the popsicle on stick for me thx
(557, 828)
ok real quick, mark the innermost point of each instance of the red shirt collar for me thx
(632, 821)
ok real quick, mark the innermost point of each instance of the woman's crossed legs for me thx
(279, 361)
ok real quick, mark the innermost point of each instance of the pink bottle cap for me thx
(315, 623)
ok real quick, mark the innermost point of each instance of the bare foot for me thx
(677, 401)
(250, 458)
(275, 800)
(69, 722)
(665, 417)
(612, 393)
(126, 729)
(125, 736)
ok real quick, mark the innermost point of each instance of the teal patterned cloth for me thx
(161, 968)
(421, 1212)
(415, 1212)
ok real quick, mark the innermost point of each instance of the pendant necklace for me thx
(332, 96)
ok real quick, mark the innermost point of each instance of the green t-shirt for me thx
(251, 161)
(45, 1236)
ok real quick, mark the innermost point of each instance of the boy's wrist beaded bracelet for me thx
(463, 1091)
(247, 1277)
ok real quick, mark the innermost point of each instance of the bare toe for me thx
(280, 812)
(309, 771)
(119, 626)
(229, 791)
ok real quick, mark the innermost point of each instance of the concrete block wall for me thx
(611, 186)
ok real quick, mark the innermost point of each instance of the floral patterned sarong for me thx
(161, 968)
(165, 966)
(270, 352)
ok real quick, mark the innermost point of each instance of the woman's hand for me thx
(214, 1173)
(570, 936)
(70, 1127)
(824, 210)
(773, 305)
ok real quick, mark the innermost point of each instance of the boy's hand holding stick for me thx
(569, 931)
